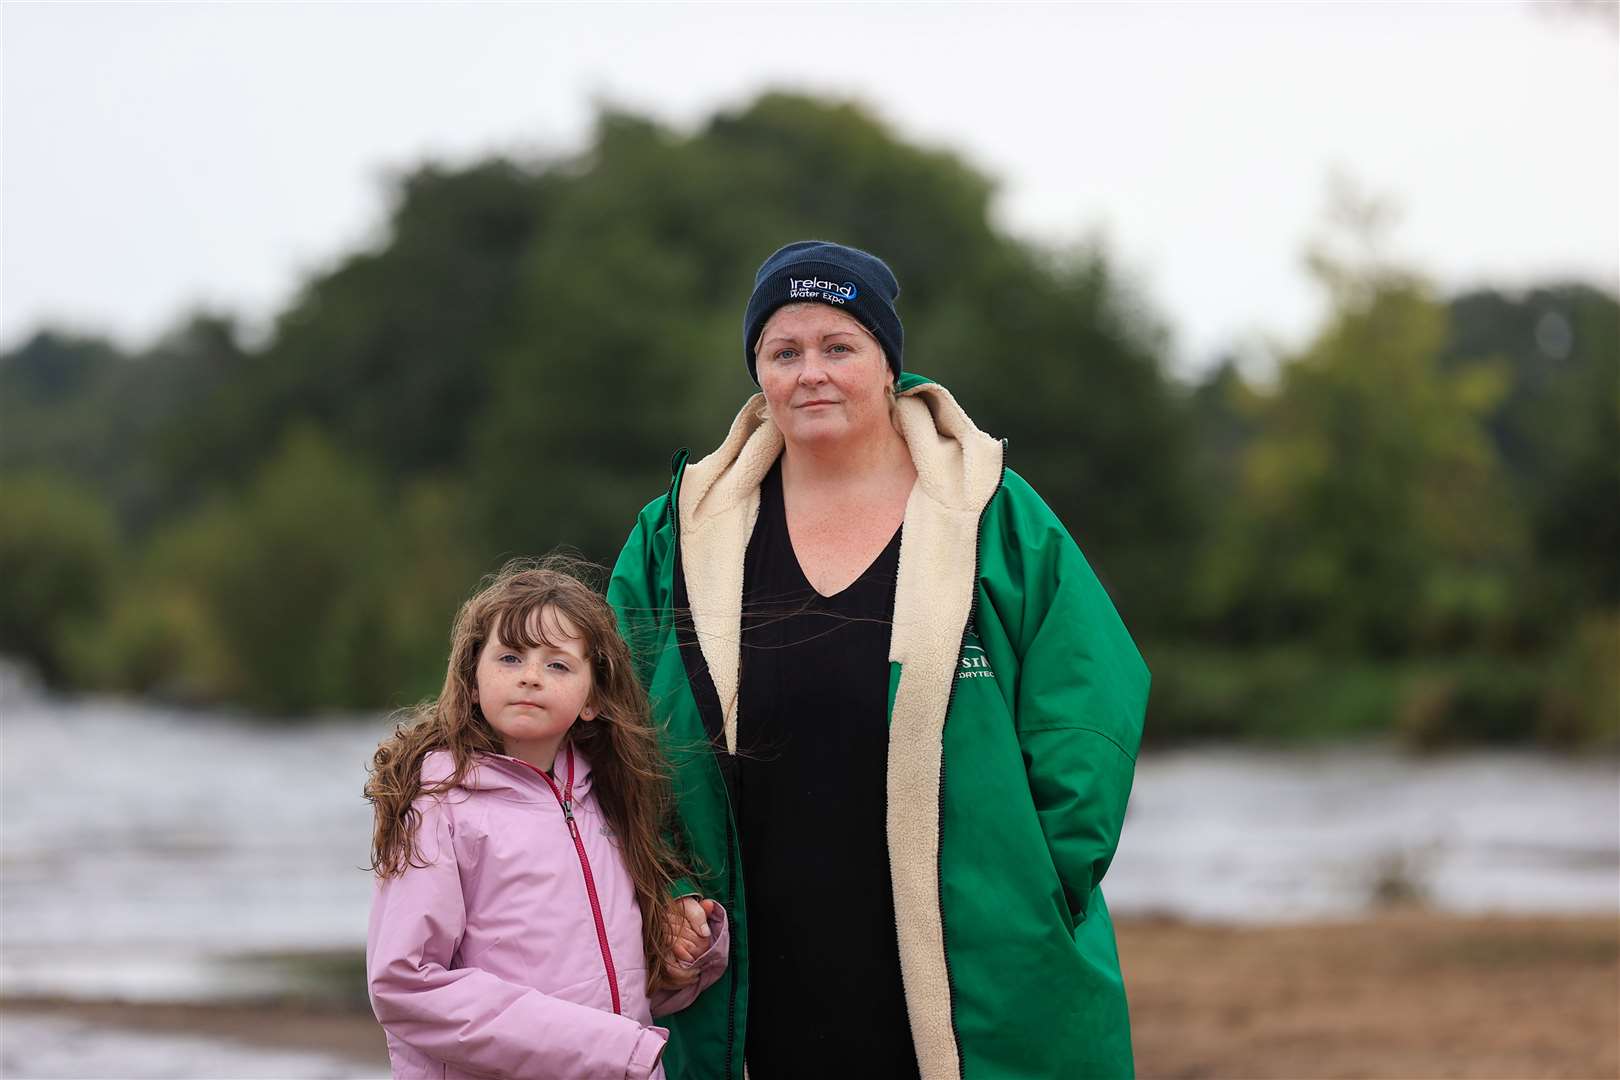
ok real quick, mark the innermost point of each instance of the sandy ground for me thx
(1400, 996)
(1409, 996)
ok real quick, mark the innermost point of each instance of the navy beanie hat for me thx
(826, 273)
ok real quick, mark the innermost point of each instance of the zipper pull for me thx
(568, 815)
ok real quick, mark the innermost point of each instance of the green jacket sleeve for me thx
(1082, 691)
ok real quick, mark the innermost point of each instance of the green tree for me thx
(58, 560)
(283, 581)
(110, 420)
(389, 352)
(1556, 429)
(630, 344)
(1371, 513)
(512, 362)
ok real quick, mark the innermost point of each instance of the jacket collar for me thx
(957, 465)
(502, 775)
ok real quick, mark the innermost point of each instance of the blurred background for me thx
(1303, 318)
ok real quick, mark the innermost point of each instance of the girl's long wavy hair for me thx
(631, 779)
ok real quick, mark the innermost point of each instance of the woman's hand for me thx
(689, 927)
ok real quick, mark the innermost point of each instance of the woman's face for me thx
(823, 375)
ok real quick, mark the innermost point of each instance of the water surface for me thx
(147, 851)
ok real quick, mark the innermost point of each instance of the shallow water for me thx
(147, 851)
(143, 845)
(1246, 835)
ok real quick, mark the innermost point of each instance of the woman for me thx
(903, 716)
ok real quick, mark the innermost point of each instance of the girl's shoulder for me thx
(484, 772)
(437, 767)
(437, 797)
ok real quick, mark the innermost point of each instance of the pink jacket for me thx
(494, 958)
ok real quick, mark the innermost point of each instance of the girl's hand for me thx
(689, 926)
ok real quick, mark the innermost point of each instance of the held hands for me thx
(689, 926)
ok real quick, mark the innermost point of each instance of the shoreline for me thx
(1403, 994)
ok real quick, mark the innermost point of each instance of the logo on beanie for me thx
(819, 289)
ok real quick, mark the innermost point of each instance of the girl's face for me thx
(532, 696)
(823, 375)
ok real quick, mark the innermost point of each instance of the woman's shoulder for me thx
(649, 536)
(1018, 508)
(656, 511)
(1020, 530)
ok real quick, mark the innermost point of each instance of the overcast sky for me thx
(158, 157)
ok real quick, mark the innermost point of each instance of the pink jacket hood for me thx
(491, 957)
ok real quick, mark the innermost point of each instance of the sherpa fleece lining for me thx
(958, 470)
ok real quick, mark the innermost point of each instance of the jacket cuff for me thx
(645, 1053)
(715, 956)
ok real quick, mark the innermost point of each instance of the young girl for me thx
(521, 925)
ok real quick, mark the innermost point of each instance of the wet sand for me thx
(1408, 996)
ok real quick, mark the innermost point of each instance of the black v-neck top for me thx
(824, 995)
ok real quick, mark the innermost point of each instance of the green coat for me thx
(1016, 702)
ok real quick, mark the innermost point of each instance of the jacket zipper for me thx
(565, 799)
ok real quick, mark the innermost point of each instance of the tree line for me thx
(1410, 525)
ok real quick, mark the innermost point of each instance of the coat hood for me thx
(507, 776)
(958, 471)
